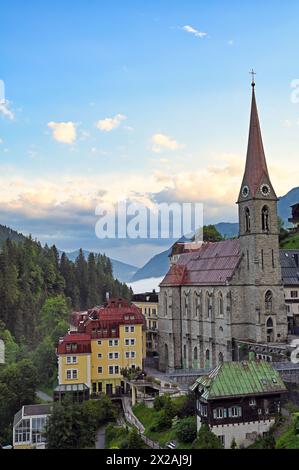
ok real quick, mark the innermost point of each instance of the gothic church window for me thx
(265, 219)
(209, 305)
(247, 220)
(268, 300)
(197, 304)
(220, 305)
(165, 304)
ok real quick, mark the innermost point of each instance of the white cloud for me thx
(64, 132)
(195, 32)
(108, 124)
(230, 42)
(6, 111)
(1, 141)
(163, 141)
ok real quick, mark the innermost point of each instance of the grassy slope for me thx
(147, 417)
(291, 243)
(288, 439)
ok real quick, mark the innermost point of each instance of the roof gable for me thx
(232, 379)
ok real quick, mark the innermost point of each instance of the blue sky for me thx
(140, 99)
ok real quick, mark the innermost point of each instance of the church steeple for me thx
(256, 180)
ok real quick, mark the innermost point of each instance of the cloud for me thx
(109, 124)
(64, 132)
(163, 141)
(195, 32)
(6, 111)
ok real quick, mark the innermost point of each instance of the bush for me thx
(162, 422)
(186, 429)
(188, 408)
(206, 439)
(160, 402)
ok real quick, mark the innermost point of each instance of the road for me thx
(100, 440)
(43, 396)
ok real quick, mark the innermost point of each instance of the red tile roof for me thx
(75, 343)
(212, 264)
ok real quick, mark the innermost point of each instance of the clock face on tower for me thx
(245, 191)
(265, 190)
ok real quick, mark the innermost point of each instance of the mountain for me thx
(228, 230)
(121, 271)
(8, 233)
(158, 265)
(285, 203)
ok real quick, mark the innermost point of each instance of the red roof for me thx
(75, 343)
(212, 264)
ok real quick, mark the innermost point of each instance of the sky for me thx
(147, 101)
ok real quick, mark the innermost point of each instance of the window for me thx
(265, 219)
(74, 359)
(110, 342)
(68, 360)
(111, 370)
(203, 410)
(259, 411)
(220, 305)
(219, 413)
(110, 355)
(133, 354)
(252, 402)
(116, 342)
(116, 355)
(127, 355)
(116, 369)
(294, 294)
(22, 431)
(132, 329)
(100, 356)
(235, 412)
(99, 343)
(222, 440)
(268, 300)
(72, 374)
(100, 370)
(195, 354)
(132, 342)
(154, 311)
(127, 342)
(247, 220)
(126, 329)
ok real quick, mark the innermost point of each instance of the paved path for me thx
(100, 440)
(43, 396)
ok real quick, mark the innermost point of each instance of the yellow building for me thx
(148, 303)
(110, 338)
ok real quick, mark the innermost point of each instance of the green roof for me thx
(240, 378)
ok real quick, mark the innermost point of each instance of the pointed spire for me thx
(256, 171)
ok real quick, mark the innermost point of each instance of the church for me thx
(218, 293)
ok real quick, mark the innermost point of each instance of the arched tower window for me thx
(247, 220)
(265, 219)
(186, 306)
(195, 354)
(268, 300)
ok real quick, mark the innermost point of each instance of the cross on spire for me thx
(252, 73)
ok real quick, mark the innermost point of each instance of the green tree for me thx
(206, 439)
(54, 311)
(134, 440)
(186, 430)
(211, 234)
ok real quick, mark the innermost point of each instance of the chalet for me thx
(239, 400)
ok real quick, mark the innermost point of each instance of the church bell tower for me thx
(263, 295)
